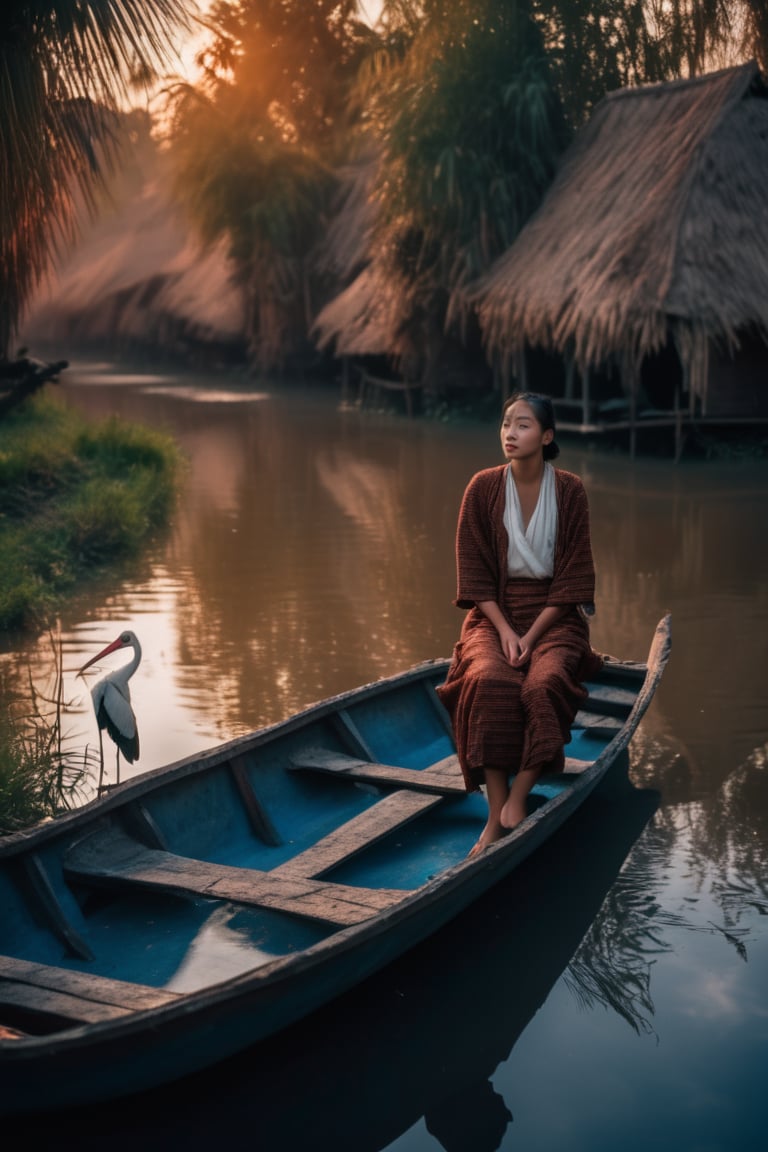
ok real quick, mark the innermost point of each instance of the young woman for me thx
(525, 572)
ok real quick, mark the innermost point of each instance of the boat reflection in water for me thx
(422, 1039)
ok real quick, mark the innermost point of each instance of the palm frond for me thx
(64, 68)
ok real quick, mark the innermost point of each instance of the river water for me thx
(613, 993)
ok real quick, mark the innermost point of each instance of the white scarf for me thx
(532, 552)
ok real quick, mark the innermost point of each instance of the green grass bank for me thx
(75, 498)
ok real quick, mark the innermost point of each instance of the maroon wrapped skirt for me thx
(508, 718)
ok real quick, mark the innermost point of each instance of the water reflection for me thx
(684, 540)
(723, 847)
(722, 851)
(473, 1120)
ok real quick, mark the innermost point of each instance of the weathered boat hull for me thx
(395, 1054)
(204, 907)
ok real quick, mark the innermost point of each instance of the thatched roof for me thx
(364, 319)
(656, 221)
(137, 273)
(346, 246)
(366, 316)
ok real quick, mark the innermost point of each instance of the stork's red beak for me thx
(119, 643)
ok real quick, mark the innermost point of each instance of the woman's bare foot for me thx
(490, 834)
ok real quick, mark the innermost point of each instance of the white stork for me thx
(112, 703)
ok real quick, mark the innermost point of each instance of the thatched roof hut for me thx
(362, 320)
(366, 314)
(137, 278)
(653, 235)
(345, 249)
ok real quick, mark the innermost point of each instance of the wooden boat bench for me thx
(443, 778)
(610, 699)
(608, 705)
(111, 857)
(385, 816)
(82, 997)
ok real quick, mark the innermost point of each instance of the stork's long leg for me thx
(101, 762)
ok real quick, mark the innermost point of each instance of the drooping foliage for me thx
(470, 128)
(64, 66)
(266, 198)
(597, 46)
(255, 148)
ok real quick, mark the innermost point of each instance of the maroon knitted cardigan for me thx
(482, 542)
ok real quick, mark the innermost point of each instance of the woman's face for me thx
(522, 436)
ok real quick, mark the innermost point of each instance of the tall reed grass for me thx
(38, 778)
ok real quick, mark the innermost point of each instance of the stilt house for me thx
(638, 293)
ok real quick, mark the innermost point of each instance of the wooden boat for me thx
(396, 1055)
(207, 906)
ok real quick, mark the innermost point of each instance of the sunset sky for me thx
(369, 11)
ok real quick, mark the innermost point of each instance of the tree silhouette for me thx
(65, 67)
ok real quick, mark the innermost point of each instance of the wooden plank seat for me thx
(443, 778)
(614, 669)
(387, 815)
(602, 727)
(81, 997)
(608, 705)
(611, 700)
(110, 858)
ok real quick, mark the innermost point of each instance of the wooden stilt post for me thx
(522, 374)
(586, 399)
(629, 378)
(570, 372)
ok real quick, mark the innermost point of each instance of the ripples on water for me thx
(600, 1001)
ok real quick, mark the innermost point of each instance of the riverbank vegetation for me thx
(74, 496)
(38, 779)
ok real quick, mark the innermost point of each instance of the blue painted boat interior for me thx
(185, 943)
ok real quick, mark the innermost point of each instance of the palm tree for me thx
(470, 127)
(600, 45)
(242, 183)
(255, 145)
(65, 70)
